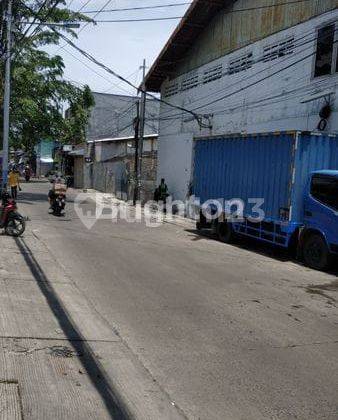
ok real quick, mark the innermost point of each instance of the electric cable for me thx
(277, 64)
(192, 112)
(78, 11)
(94, 71)
(262, 59)
(186, 3)
(161, 6)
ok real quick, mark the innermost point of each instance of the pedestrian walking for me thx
(14, 182)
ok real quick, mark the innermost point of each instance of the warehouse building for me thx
(244, 67)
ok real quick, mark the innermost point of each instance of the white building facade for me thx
(252, 83)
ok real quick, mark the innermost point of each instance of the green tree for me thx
(39, 91)
(77, 116)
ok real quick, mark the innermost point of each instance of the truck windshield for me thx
(325, 190)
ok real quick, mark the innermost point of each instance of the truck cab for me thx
(319, 235)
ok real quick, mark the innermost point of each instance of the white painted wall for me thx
(270, 105)
(108, 150)
(175, 163)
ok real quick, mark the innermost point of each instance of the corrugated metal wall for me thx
(262, 166)
(233, 29)
(257, 166)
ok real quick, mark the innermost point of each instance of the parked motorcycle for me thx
(10, 220)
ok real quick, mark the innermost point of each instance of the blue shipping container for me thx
(274, 167)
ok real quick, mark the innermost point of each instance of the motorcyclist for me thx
(58, 187)
(27, 173)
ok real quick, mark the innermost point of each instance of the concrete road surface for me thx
(213, 331)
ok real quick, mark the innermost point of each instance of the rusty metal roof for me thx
(194, 21)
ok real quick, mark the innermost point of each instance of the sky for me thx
(120, 46)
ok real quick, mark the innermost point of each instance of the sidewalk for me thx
(59, 359)
(171, 219)
(43, 357)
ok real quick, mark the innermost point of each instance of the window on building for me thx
(190, 81)
(325, 51)
(241, 64)
(213, 73)
(278, 50)
(325, 190)
(171, 89)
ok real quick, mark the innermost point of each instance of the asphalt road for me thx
(228, 332)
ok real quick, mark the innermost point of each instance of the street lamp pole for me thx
(7, 95)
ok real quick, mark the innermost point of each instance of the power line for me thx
(139, 20)
(23, 36)
(254, 83)
(112, 72)
(258, 81)
(287, 3)
(129, 108)
(135, 73)
(78, 11)
(35, 18)
(187, 3)
(161, 6)
(32, 23)
(97, 13)
(94, 71)
(183, 17)
(279, 98)
(70, 3)
(261, 59)
(191, 112)
(266, 101)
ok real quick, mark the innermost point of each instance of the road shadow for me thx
(31, 197)
(95, 372)
(34, 197)
(250, 244)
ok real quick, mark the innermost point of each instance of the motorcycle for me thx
(58, 204)
(10, 220)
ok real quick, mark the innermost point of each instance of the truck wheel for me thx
(315, 252)
(225, 232)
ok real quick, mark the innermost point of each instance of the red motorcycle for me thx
(10, 220)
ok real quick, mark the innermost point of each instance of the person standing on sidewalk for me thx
(14, 182)
(163, 191)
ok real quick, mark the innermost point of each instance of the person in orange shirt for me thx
(14, 182)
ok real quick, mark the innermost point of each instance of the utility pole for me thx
(141, 131)
(136, 128)
(7, 95)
